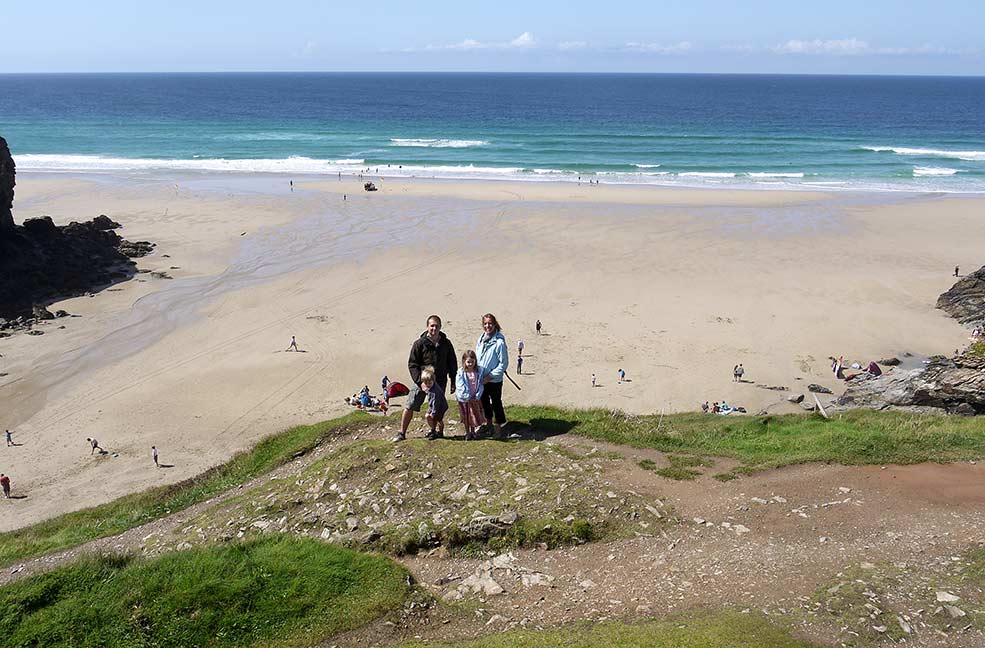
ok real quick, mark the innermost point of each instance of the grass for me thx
(273, 592)
(723, 630)
(399, 499)
(79, 527)
(758, 442)
(762, 442)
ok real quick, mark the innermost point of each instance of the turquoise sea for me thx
(922, 134)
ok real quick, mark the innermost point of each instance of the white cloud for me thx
(657, 48)
(307, 51)
(844, 46)
(526, 39)
(572, 45)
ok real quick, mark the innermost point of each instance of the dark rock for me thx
(161, 275)
(818, 389)
(42, 227)
(889, 362)
(6, 190)
(964, 409)
(104, 222)
(965, 301)
(35, 332)
(796, 398)
(62, 313)
(42, 313)
(135, 250)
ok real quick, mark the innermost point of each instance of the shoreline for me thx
(674, 286)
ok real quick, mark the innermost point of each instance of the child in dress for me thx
(468, 391)
(437, 404)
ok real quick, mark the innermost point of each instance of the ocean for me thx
(924, 134)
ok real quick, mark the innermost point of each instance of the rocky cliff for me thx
(40, 261)
(965, 301)
(954, 385)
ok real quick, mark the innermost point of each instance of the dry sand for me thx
(674, 286)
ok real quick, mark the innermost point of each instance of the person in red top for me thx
(5, 482)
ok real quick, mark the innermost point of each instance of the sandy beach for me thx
(675, 286)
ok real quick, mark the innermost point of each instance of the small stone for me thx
(352, 523)
(904, 626)
(844, 489)
(947, 597)
(587, 584)
(880, 628)
(955, 613)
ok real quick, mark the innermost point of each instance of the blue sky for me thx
(755, 36)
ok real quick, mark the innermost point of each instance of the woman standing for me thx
(493, 360)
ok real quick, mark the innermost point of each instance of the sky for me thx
(753, 36)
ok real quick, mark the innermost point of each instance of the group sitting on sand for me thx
(477, 384)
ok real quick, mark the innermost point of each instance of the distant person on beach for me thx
(293, 346)
(735, 373)
(95, 446)
(153, 451)
(519, 364)
(593, 380)
(538, 327)
(739, 372)
(468, 392)
(10, 439)
(955, 271)
(5, 483)
(437, 405)
(493, 357)
(343, 197)
(432, 349)
(622, 375)
(519, 348)
(292, 185)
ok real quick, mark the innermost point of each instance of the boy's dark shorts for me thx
(416, 398)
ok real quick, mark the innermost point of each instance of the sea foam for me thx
(971, 156)
(933, 171)
(297, 165)
(437, 143)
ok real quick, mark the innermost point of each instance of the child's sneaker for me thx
(432, 435)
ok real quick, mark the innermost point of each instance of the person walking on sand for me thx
(593, 380)
(153, 451)
(538, 327)
(468, 392)
(5, 483)
(10, 439)
(739, 372)
(292, 185)
(431, 349)
(95, 446)
(519, 365)
(493, 357)
(622, 375)
(955, 271)
(519, 348)
(735, 373)
(294, 346)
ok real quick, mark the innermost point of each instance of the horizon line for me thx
(501, 72)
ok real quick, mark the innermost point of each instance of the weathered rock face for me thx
(6, 189)
(965, 301)
(40, 261)
(955, 385)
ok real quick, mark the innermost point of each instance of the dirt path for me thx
(766, 543)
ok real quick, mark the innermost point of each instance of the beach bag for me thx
(395, 389)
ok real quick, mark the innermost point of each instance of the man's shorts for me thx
(416, 398)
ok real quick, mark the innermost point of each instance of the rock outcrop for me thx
(6, 189)
(953, 385)
(40, 261)
(965, 301)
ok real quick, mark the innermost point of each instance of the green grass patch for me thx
(761, 442)
(470, 498)
(115, 517)
(977, 349)
(681, 467)
(723, 630)
(272, 592)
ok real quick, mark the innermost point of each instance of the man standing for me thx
(538, 327)
(432, 349)
(153, 451)
(519, 348)
(10, 439)
(519, 365)
(5, 483)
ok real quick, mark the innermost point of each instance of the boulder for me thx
(818, 389)
(965, 301)
(104, 222)
(42, 313)
(796, 398)
(888, 362)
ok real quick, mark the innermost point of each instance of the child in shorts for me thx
(437, 404)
